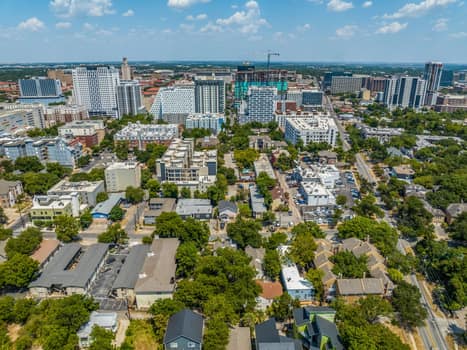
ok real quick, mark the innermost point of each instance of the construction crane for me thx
(269, 63)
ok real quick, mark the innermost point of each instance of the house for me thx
(227, 211)
(403, 172)
(239, 339)
(156, 279)
(297, 287)
(415, 190)
(269, 292)
(200, 209)
(257, 258)
(359, 287)
(156, 207)
(102, 210)
(454, 210)
(106, 320)
(184, 331)
(9, 192)
(258, 208)
(268, 338)
(316, 327)
(124, 285)
(259, 142)
(438, 216)
(46, 251)
(327, 157)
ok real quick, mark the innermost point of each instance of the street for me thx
(296, 216)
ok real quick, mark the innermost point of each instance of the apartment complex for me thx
(209, 95)
(404, 92)
(451, 103)
(87, 190)
(432, 76)
(120, 175)
(47, 208)
(174, 103)
(129, 98)
(64, 114)
(88, 132)
(311, 130)
(95, 87)
(213, 122)
(260, 105)
(15, 121)
(345, 84)
(139, 135)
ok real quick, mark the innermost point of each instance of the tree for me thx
(25, 164)
(406, 301)
(458, 228)
(134, 195)
(315, 276)
(366, 207)
(121, 150)
(18, 271)
(348, 265)
(116, 213)
(162, 309)
(102, 197)
(38, 183)
(7, 304)
(3, 217)
(66, 228)
(245, 232)
(268, 218)
(245, 158)
(5, 233)
(310, 228)
(282, 307)
(85, 220)
(101, 339)
(216, 336)
(185, 192)
(217, 306)
(413, 219)
(272, 264)
(114, 234)
(26, 243)
(169, 190)
(153, 186)
(169, 224)
(302, 249)
(187, 258)
(23, 309)
(341, 199)
(275, 240)
(83, 161)
(58, 170)
(373, 306)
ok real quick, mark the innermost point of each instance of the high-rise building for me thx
(327, 79)
(310, 130)
(447, 78)
(260, 106)
(95, 87)
(118, 176)
(126, 70)
(129, 99)
(432, 76)
(40, 87)
(346, 84)
(404, 92)
(174, 102)
(209, 95)
(312, 98)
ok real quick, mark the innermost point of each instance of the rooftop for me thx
(122, 166)
(185, 323)
(360, 286)
(130, 270)
(106, 206)
(6, 185)
(189, 206)
(293, 280)
(239, 339)
(270, 290)
(107, 320)
(82, 186)
(46, 248)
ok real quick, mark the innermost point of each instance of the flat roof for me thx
(193, 206)
(130, 270)
(293, 280)
(46, 248)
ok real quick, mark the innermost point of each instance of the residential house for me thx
(454, 210)
(184, 331)
(438, 216)
(106, 320)
(156, 207)
(352, 288)
(227, 211)
(260, 142)
(269, 292)
(403, 172)
(297, 287)
(9, 192)
(268, 338)
(257, 259)
(200, 209)
(258, 208)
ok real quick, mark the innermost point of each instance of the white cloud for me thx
(441, 25)
(418, 9)
(187, 27)
(128, 13)
(32, 24)
(339, 5)
(459, 35)
(71, 8)
(392, 28)
(180, 4)
(304, 27)
(200, 17)
(211, 28)
(248, 21)
(63, 25)
(367, 4)
(88, 26)
(346, 32)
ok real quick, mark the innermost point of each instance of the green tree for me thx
(302, 249)
(245, 158)
(66, 228)
(162, 309)
(218, 306)
(23, 309)
(272, 264)
(169, 190)
(7, 304)
(114, 234)
(308, 228)
(5, 233)
(102, 197)
(121, 150)
(373, 306)
(153, 186)
(25, 164)
(458, 229)
(169, 224)
(315, 276)
(85, 220)
(348, 265)
(341, 199)
(406, 302)
(134, 195)
(101, 339)
(366, 207)
(245, 232)
(26, 243)
(413, 219)
(187, 258)
(282, 307)
(185, 192)
(83, 161)
(38, 183)
(116, 213)
(216, 336)
(57, 169)
(268, 218)
(18, 271)
(3, 217)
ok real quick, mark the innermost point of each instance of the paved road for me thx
(296, 217)
(364, 169)
(17, 226)
(328, 106)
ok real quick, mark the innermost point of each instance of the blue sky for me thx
(301, 30)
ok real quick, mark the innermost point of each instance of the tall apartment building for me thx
(432, 76)
(209, 95)
(64, 114)
(295, 95)
(120, 175)
(327, 79)
(129, 98)
(404, 92)
(47, 150)
(126, 70)
(447, 78)
(376, 84)
(95, 87)
(174, 103)
(88, 132)
(138, 136)
(260, 105)
(312, 98)
(310, 130)
(15, 121)
(213, 122)
(186, 168)
(40, 90)
(344, 84)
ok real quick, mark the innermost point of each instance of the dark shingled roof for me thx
(268, 338)
(328, 329)
(185, 324)
(130, 270)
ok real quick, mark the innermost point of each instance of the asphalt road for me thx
(328, 106)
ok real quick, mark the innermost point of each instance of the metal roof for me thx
(185, 324)
(106, 206)
(130, 270)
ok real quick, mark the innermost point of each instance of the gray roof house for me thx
(257, 259)
(184, 331)
(156, 207)
(227, 210)
(200, 209)
(454, 210)
(257, 202)
(268, 338)
(106, 320)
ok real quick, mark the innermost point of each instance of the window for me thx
(173, 345)
(191, 344)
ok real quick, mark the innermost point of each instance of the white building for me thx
(327, 175)
(174, 101)
(209, 95)
(342, 84)
(96, 88)
(87, 190)
(280, 117)
(260, 106)
(81, 128)
(297, 286)
(311, 130)
(316, 194)
(213, 122)
(118, 176)
(15, 121)
(126, 70)
(404, 92)
(138, 136)
(129, 98)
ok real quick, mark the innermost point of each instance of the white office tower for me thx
(129, 99)
(260, 107)
(433, 71)
(404, 92)
(311, 130)
(126, 70)
(174, 101)
(209, 95)
(96, 88)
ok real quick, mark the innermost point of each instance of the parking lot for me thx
(348, 188)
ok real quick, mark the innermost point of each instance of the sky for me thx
(300, 30)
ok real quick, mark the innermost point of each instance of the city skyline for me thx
(177, 30)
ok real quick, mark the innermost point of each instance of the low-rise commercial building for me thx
(382, 134)
(9, 192)
(311, 130)
(87, 190)
(47, 208)
(102, 210)
(120, 175)
(89, 133)
(317, 195)
(138, 135)
(200, 209)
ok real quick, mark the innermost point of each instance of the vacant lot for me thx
(140, 335)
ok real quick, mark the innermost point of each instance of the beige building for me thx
(47, 208)
(118, 176)
(9, 192)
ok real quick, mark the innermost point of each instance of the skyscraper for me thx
(126, 70)
(432, 76)
(96, 88)
(174, 103)
(404, 92)
(40, 87)
(129, 99)
(260, 106)
(209, 95)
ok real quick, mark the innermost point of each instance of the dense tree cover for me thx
(196, 133)
(315, 276)
(101, 339)
(28, 163)
(134, 195)
(391, 192)
(357, 328)
(413, 219)
(96, 174)
(282, 307)
(308, 227)
(15, 311)
(114, 234)
(169, 190)
(121, 150)
(58, 170)
(185, 192)
(367, 207)
(216, 336)
(5, 233)
(169, 224)
(150, 155)
(383, 236)
(116, 213)
(264, 185)
(347, 265)
(187, 259)
(245, 157)
(245, 232)
(3, 217)
(66, 228)
(83, 161)
(275, 240)
(18, 271)
(341, 199)
(153, 186)
(26, 243)
(38, 183)
(284, 162)
(445, 266)
(102, 197)
(85, 220)
(458, 228)
(302, 249)
(229, 174)
(218, 191)
(45, 132)
(161, 310)
(272, 264)
(406, 302)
